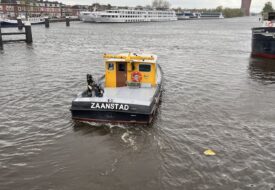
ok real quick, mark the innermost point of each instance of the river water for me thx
(216, 97)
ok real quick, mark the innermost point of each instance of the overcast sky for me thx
(256, 6)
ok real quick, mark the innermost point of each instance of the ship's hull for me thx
(263, 42)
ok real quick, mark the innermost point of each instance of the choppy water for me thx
(216, 97)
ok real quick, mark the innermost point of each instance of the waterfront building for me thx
(76, 9)
(36, 8)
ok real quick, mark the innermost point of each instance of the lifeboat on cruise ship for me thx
(129, 92)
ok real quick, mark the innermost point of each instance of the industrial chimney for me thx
(246, 7)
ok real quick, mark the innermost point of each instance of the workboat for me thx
(263, 38)
(129, 92)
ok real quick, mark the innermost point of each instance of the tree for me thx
(268, 7)
(219, 9)
(138, 7)
(160, 4)
(148, 7)
(229, 12)
(109, 6)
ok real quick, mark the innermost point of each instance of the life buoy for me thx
(270, 24)
(136, 76)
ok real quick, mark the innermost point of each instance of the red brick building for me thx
(53, 9)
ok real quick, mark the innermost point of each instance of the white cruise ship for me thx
(121, 16)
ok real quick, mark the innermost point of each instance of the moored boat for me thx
(211, 15)
(13, 22)
(263, 38)
(129, 92)
(128, 16)
(187, 15)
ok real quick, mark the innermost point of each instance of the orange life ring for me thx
(270, 24)
(136, 76)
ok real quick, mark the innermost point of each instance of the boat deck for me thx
(126, 95)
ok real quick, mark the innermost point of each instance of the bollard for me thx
(19, 23)
(47, 22)
(28, 31)
(67, 21)
(1, 41)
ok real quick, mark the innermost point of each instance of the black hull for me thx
(110, 117)
(138, 114)
(81, 111)
(263, 42)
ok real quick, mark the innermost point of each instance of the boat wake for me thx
(109, 125)
(128, 138)
(95, 124)
(125, 132)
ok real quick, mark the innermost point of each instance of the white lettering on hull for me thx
(109, 106)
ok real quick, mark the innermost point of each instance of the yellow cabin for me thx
(130, 69)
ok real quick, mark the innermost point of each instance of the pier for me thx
(27, 33)
(67, 20)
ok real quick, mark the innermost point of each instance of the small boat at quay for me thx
(263, 38)
(129, 92)
(13, 22)
(211, 15)
(127, 15)
(187, 15)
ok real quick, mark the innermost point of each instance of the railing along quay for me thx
(67, 20)
(27, 33)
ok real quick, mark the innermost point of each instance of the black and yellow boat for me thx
(129, 92)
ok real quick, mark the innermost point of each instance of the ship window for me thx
(144, 68)
(110, 66)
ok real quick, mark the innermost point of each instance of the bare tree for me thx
(161, 4)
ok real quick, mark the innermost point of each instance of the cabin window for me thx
(144, 68)
(121, 67)
(110, 66)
